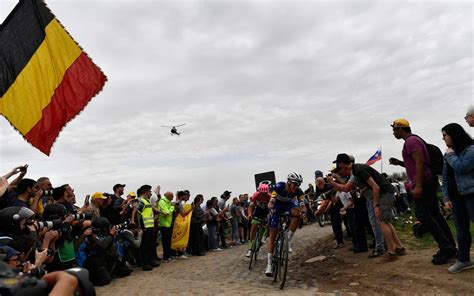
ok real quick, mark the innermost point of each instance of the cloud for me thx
(262, 86)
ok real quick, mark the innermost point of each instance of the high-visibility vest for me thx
(147, 214)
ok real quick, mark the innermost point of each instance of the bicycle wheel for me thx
(322, 220)
(283, 260)
(276, 258)
(255, 248)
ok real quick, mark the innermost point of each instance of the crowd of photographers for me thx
(42, 231)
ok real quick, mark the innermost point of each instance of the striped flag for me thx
(46, 79)
(376, 157)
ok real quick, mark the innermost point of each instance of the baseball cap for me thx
(7, 252)
(117, 186)
(400, 123)
(98, 195)
(132, 194)
(318, 174)
(227, 193)
(342, 157)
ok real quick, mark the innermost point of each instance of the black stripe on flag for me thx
(20, 36)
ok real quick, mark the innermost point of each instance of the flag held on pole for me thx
(46, 79)
(374, 158)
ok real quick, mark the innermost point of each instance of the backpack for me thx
(436, 157)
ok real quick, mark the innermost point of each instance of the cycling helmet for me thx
(295, 178)
(263, 188)
(318, 173)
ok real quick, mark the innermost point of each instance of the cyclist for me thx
(259, 203)
(286, 197)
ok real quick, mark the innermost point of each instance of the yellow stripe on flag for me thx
(34, 87)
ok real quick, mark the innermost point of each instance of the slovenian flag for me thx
(46, 79)
(376, 157)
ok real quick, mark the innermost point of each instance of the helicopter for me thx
(174, 130)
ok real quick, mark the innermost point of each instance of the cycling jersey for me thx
(261, 199)
(284, 201)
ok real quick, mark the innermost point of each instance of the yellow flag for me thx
(181, 228)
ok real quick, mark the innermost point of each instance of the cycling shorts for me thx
(260, 213)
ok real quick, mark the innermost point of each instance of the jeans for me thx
(212, 236)
(350, 221)
(428, 212)
(463, 210)
(378, 236)
(235, 229)
(221, 233)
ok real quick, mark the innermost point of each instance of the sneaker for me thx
(183, 257)
(338, 246)
(376, 253)
(290, 249)
(249, 253)
(400, 251)
(169, 260)
(264, 240)
(217, 250)
(460, 266)
(268, 270)
(388, 257)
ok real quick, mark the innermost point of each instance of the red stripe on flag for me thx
(81, 82)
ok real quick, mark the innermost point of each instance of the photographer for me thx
(69, 228)
(19, 257)
(97, 204)
(129, 238)
(7, 189)
(98, 253)
(59, 197)
(29, 195)
(128, 206)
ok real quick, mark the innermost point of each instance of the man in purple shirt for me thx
(416, 161)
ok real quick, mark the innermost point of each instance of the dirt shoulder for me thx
(344, 271)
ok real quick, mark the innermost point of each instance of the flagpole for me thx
(381, 161)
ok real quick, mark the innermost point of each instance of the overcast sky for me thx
(262, 86)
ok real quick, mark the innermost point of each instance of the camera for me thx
(84, 216)
(12, 284)
(53, 224)
(122, 226)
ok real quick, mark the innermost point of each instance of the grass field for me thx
(405, 232)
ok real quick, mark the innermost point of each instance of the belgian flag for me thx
(46, 79)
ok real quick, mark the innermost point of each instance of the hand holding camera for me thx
(41, 255)
(393, 161)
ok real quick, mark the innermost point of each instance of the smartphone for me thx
(86, 201)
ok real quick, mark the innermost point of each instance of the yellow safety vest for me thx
(147, 214)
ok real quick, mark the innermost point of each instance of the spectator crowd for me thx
(43, 230)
